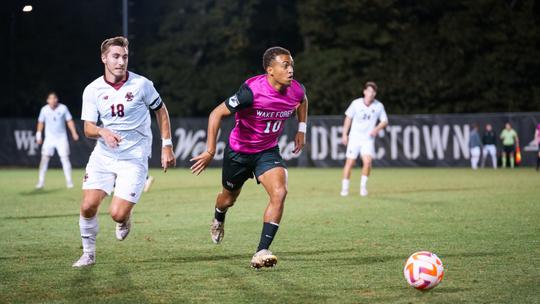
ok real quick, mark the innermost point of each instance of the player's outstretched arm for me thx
(168, 159)
(91, 130)
(39, 132)
(302, 114)
(214, 122)
(72, 129)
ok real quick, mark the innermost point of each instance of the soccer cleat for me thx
(148, 183)
(263, 258)
(69, 185)
(217, 231)
(39, 186)
(344, 193)
(87, 259)
(363, 192)
(122, 229)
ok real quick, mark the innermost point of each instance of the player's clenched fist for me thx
(168, 160)
(299, 141)
(201, 162)
(111, 139)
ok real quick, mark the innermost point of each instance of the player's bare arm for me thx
(302, 114)
(378, 128)
(73, 130)
(168, 159)
(346, 127)
(214, 122)
(39, 132)
(91, 130)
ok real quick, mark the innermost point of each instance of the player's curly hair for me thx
(271, 54)
(114, 41)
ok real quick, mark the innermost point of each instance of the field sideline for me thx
(485, 226)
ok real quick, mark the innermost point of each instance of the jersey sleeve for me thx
(241, 100)
(151, 96)
(382, 115)
(67, 115)
(350, 110)
(41, 117)
(89, 110)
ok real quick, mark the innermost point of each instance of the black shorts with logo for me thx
(509, 148)
(239, 167)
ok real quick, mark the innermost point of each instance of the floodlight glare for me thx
(27, 8)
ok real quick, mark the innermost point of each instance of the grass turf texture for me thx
(484, 225)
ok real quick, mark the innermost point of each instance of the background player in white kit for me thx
(53, 117)
(361, 118)
(121, 100)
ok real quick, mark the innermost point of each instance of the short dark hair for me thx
(371, 84)
(52, 93)
(271, 54)
(116, 41)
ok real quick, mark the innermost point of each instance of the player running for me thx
(53, 117)
(121, 100)
(361, 118)
(261, 106)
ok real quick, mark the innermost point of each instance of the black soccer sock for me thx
(267, 235)
(220, 214)
(537, 163)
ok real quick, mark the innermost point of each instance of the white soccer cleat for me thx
(363, 192)
(344, 193)
(122, 229)
(217, 231)
(87, 259)
(148, 183)
(69, 185)
(263, 258)
(39, 186)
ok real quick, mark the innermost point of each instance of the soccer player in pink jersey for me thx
(261, 106)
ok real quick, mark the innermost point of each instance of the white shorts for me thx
(125, 176)
(61, 146)
(360, 147)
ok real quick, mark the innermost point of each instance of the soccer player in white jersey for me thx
(361, 118)
(121, 100)
(53, 117)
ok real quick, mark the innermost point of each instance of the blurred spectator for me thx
(537, 137)
(475, 145)
(509, 140)
(489, 140)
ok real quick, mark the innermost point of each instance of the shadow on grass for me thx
(39, 192)
(119, 288)
(33, 217)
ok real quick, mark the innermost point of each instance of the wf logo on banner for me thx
(26, 141)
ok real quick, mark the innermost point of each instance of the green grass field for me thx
(485, 226)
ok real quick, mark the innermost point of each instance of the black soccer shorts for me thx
(239, 167)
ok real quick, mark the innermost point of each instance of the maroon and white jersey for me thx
(124, 109)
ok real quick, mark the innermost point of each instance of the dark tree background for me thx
(427, 56)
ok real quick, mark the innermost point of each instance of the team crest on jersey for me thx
(233, 101)
(129, 96)
(85, 177)
(106, 97)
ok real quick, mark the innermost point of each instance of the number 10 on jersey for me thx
(273, 126)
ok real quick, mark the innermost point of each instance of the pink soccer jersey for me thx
(260, 113)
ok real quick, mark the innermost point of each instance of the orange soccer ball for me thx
(423, 270)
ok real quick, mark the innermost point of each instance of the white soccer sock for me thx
(66, 165)
(89, 229)
(363, 181)
(43, 165)
(345, 185)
